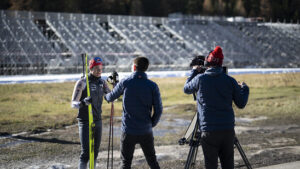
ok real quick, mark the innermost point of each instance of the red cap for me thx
(95, 61)
(216, 56)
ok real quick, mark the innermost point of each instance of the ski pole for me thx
(114, 79)
(111, 135)
(108, 148)
(83, 71)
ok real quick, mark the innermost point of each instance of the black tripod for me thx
(193, 138)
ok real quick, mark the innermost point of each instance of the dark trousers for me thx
(84, 140)
(218, 144)
(146, 142)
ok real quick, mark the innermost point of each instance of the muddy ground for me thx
(264, 142)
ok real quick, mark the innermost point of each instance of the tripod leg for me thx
(191, 158)
(195, 142)
(195, 156)
(243, 155)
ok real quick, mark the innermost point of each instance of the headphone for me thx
(206, 63)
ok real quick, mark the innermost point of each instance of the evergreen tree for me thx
(256, 7)
(229, 7)
(5, 4)
(288, 10)
(215, 7)
(152, 7)
(195, 6)
(135, 8)
(177, 6)
(247, 6)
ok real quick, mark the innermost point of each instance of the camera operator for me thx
(215, 91)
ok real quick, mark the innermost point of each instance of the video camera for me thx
(199, 60)
(113, 78)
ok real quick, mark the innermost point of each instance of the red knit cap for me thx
(95, 61)
(216, 56)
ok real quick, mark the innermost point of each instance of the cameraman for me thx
(215, 92)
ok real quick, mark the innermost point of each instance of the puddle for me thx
(249, 120)
(166, 125)
(175, 123)
(51, 166)
(14, 143)
(281, 141)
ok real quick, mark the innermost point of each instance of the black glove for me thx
(113, 78)
(86, 101)
(106, 99)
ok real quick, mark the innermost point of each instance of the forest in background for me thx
(275, 10)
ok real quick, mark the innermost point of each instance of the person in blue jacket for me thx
(140, 96)
(215, 91)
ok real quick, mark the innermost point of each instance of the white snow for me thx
(51, 78)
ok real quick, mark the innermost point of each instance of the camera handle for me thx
(194, 95)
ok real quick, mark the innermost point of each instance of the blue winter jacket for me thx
(139, 96)
(215, 92)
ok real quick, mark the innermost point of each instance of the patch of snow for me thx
(50, 78)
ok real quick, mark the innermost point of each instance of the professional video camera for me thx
(199, 61)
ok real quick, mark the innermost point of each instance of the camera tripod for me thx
(193, 138)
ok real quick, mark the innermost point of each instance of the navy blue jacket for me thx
(215, 92)
(139, 96)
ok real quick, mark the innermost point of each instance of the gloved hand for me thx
(199, 68)
(86, 101)
(113, 78)
(242, 84)
(106, 99)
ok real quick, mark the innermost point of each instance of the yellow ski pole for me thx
(91, 120)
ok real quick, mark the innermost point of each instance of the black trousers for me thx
(218, 144)
(84, 140)
(146, 142)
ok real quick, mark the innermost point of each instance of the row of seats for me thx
(244, 44)
(274, 43)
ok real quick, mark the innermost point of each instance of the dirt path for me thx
(59, 149)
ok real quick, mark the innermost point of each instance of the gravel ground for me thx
(264, 145)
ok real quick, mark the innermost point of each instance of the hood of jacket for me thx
(214, 71)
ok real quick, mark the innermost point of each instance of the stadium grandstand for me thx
(42, 42)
